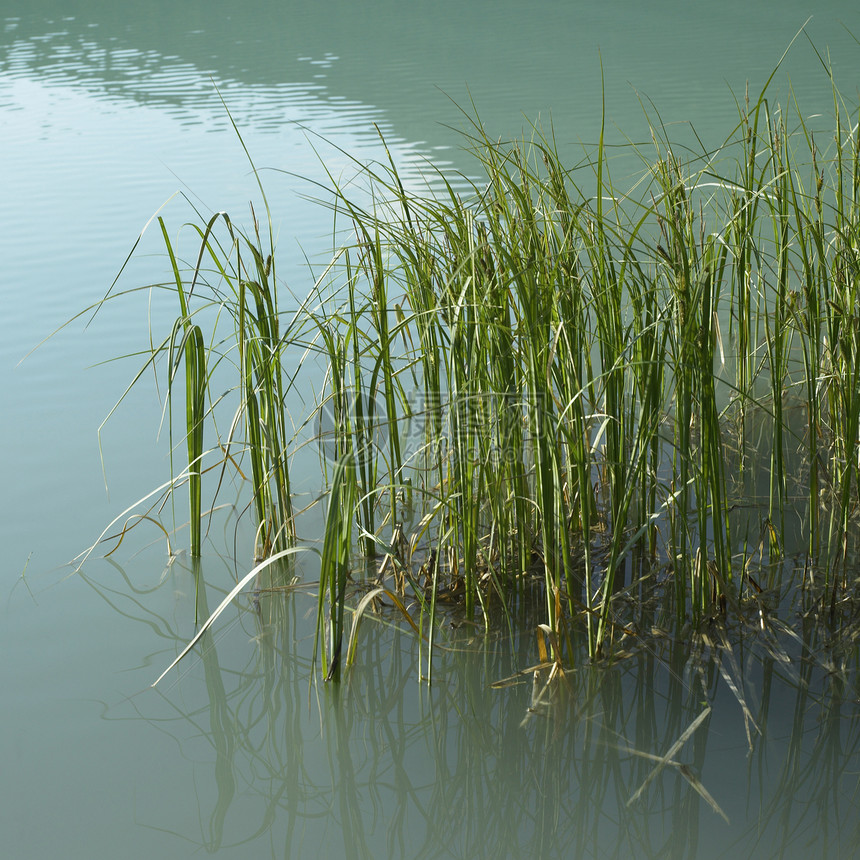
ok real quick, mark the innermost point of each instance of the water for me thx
(106, 114)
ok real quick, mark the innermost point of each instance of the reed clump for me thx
(541, 377)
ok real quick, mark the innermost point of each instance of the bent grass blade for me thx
(234, 593)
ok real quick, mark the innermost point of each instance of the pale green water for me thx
(106, 111)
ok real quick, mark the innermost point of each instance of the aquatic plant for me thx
(540, 376)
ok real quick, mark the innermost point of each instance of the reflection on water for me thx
(405, 62)
(271, 77)
(730, 743)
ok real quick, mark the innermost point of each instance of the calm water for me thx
(107, 112)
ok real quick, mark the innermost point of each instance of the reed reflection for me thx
(729, 741)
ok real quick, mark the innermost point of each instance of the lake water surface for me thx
(107, 111)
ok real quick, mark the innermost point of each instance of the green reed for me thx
(194, 356)
(240, 279)
(543, 376)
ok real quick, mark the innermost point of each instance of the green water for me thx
(106, 112)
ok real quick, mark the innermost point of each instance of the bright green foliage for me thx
(543, 376)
